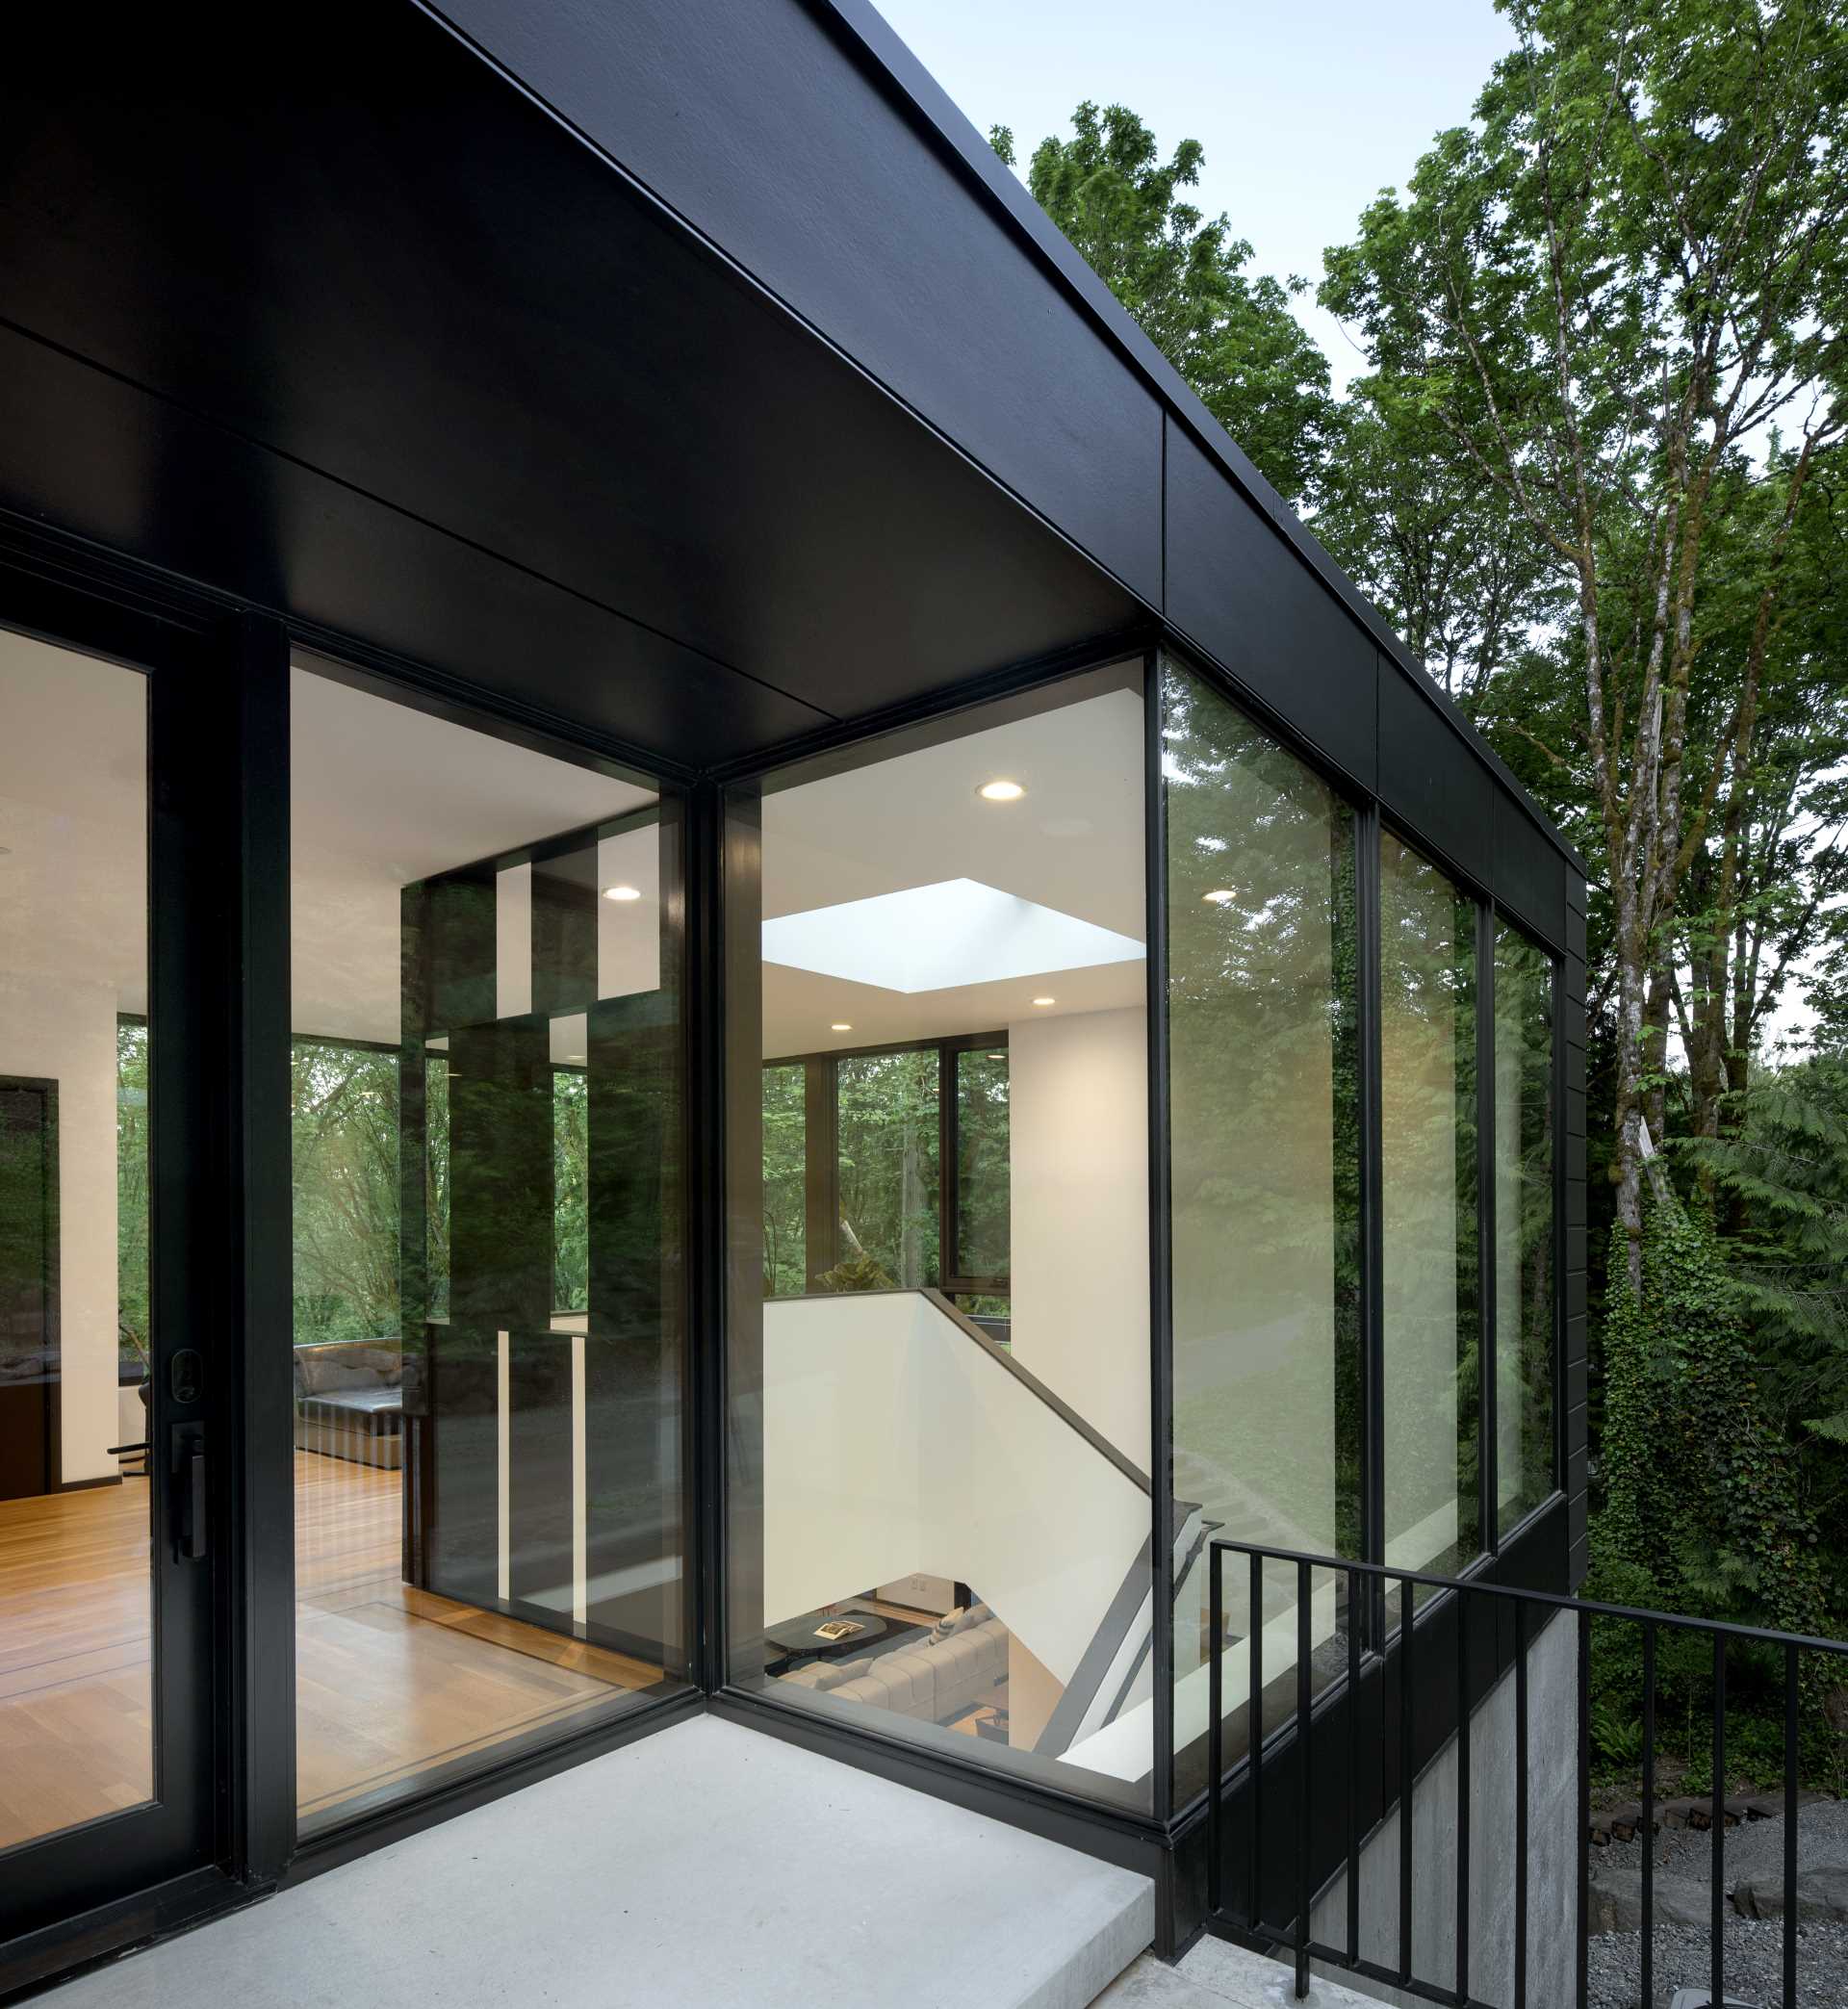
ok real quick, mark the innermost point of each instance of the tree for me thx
(1450, 561)
(1606, 292)
(1183, 275)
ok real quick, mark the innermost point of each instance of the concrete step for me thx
(707, 1865)
(1215, 1976)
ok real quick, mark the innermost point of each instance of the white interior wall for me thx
(57, 1029)
(892, 1443)
(1078, 1137)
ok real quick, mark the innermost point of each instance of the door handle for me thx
(189, 1491)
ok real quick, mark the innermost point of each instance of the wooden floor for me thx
(390, 1682)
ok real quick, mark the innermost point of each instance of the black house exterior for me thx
(412, 418)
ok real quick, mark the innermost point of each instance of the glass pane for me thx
(1264, 1135)
(1524, 1237)
(1431, 1282)
(887, 1177)
(920, 1540)
(489, 1340)
(982, 1164)
(785, 1270)
(76, 1646)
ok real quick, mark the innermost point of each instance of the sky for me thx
(1305, 111)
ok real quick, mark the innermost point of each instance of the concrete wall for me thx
(1078, 1130)
(1553, 1856)
(64, 1030)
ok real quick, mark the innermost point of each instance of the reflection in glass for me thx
(489, 1344)
(77, 1641)
(1431, 1284)
(1263, 1122)
(939, 1512)
(1524, 1224)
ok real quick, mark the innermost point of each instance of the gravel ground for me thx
(1753, 1946)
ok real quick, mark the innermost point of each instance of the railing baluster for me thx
(1649, 1810)
(1215, 1727)
(1519, 1806)
(1405, 1774)
(1718, 1892)
(1462, 1797)
(1354, 1609)
(1254, 1734)
(1370, 1590)
(1304, 1801)
(1585, 1810)
(1792, 1755)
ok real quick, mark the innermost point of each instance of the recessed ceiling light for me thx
(1001, 791)
(1046, 1000)
(841, 1025)
(622, 893)
(573, 1058)
(997, 1056)
(1219, 897)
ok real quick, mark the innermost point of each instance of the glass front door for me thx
(107, 1340)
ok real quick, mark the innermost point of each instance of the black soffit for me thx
(331, 317)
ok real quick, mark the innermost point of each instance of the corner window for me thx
(939, 1387)
(1264, 1106)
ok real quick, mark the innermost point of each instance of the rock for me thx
(1822, 1893)
(1617, 1901)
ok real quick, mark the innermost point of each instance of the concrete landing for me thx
(1215, 1976)
(707, 1865)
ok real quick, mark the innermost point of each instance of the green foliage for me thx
(1784, 1171)
(1701, 1487)
(344, 1128)
(1183, 275)
(784, 1181)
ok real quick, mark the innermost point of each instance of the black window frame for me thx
(821, 1154)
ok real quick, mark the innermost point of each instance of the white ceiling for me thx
(380, 795)
(1074, 843)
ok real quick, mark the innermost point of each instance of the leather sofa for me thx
(349, 1402)
(958, 1666)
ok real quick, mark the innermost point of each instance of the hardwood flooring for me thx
(392, 1682)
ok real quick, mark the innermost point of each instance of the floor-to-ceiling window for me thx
(1264, 1106)
(1430, 1379)
(939, 1400)
(488, 1345)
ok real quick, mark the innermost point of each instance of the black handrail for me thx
(1296, 1937)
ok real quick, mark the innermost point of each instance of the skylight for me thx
(937, 938)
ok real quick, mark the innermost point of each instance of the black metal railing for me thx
(1371, 1666)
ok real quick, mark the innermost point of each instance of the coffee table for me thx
(799, 1638)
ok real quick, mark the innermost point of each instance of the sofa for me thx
(349, 1402)
(958, 1666)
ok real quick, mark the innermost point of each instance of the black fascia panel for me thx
(1432, 782)
(758, 124)
(1238, 591)
(1530, 871)
(698, 170)
(132, 472)
(373, 256)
